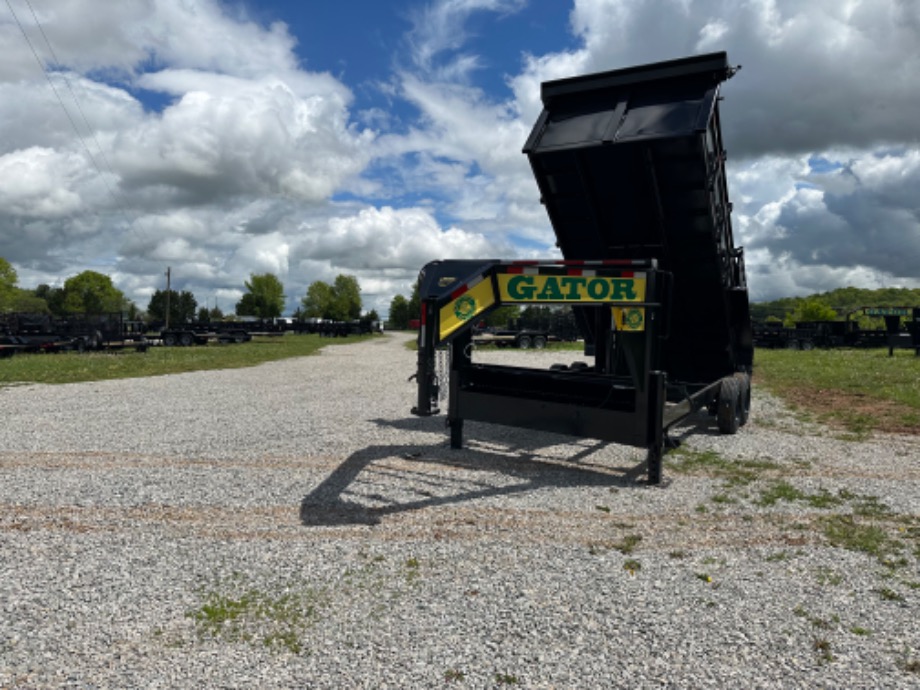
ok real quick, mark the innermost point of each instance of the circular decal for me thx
(633, 319)
(464, 308)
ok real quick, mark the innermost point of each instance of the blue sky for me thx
(311, 139)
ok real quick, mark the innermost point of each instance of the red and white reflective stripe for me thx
(466, 287)
(582, 262)
(529, 269)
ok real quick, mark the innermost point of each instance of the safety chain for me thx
(442, 371)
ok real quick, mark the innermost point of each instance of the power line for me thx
(57, 95)
(70, 88)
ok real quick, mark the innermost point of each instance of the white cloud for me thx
(252, 163)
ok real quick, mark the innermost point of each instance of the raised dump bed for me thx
(630, 165)
(631, 170)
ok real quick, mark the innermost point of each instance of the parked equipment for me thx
(630, 167)
(32, 332)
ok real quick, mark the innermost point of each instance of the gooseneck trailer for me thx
(631, 169)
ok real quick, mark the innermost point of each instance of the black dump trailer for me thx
(631, 170)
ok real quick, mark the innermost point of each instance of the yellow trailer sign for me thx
(466, 306)
(570, 288)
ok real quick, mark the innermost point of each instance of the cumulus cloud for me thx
(203, 143)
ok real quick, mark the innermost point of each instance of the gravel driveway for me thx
(292, 525)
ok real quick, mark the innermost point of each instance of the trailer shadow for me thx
(362, 490)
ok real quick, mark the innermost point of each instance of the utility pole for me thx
(167, 296)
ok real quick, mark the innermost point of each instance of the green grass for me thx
(733, 472)
(273, 619)
(859, 389)
(73, 367)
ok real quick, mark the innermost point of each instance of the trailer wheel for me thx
(169, 339)
(524, 342)
(539, 342)
(729, 414)
(186, 339)
(744, 397)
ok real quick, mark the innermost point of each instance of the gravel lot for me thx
(292, 525)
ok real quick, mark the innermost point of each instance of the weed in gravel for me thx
(784, 491)
(709, 463)
(823, 649)
(845, 532)
(453, 674)
(910, 666)
(866, 506)
(861, 631)
(275, 619)
(506, 679)
(828, 576)
(412, 568)
(632, 566)
(628, 544)
(889, 594)
(705, 577)
(778, 556)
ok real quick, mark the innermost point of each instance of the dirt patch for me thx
(851, 411)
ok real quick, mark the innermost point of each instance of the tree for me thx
(415, 302)
(811, 309)
(54, 298)
(503, 316)
(8, 288)
(90, 292)
(347, 298)
(338, 302)
(26, 301)
(399, 313)
(182, 306)
(264, 297)
(318, 302)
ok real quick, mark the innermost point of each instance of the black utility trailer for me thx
(631, 170)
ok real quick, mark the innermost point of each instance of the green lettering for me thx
(551, 290)
(575, 283)
(521, 287)
(598, 289)
(623, 289)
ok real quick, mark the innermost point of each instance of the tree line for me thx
(91, 292)
(834, 305)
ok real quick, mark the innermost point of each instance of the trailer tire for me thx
(186, 339)
(524, 342)
(728, 417)
(169, 339)
(744, 396)
(539, 342)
